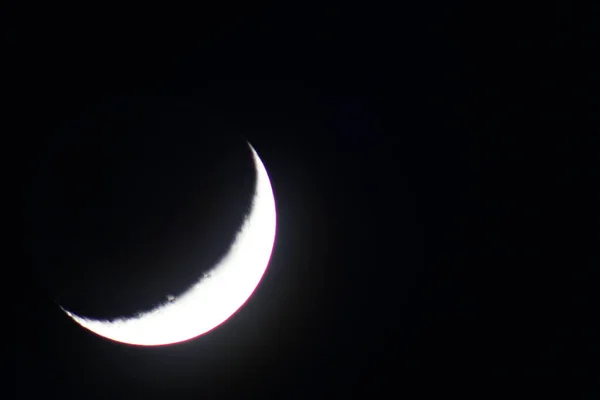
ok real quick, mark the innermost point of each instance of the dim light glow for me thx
(213, 299)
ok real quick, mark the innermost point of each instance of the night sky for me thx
(430, 219)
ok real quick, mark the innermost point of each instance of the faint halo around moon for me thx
(213, 299)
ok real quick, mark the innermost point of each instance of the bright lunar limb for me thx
(212, 300)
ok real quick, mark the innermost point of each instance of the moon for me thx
(216, 296)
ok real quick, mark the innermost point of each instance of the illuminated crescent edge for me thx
(213, 299)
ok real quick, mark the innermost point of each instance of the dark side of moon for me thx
(121, 222)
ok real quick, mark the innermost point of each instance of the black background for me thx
(433, 171)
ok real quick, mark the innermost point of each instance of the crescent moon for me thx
(215, 298)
